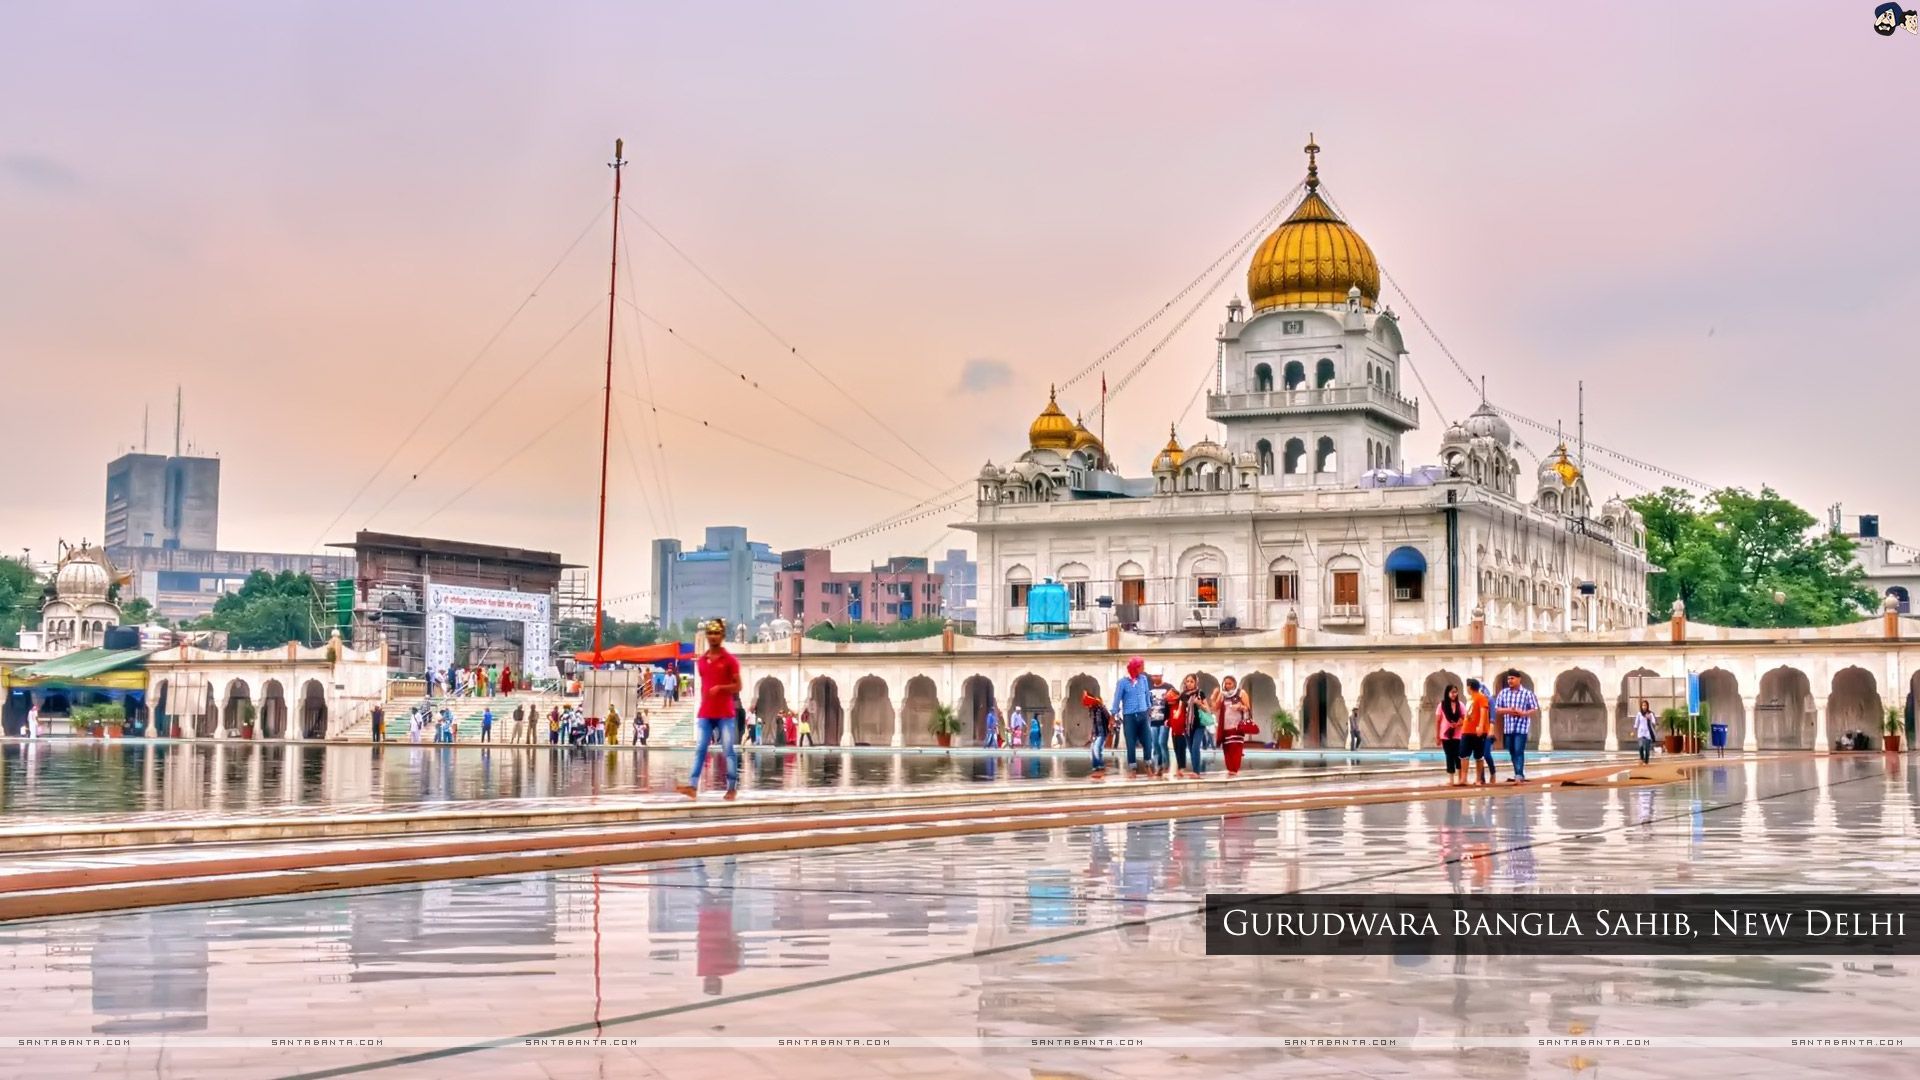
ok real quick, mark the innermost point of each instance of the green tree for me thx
(268, 610)
(1729, 554)
(137, 612)
(20, 593)
(576, 635)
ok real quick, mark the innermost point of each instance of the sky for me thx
(370, 244)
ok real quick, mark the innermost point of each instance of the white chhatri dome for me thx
(82, 576)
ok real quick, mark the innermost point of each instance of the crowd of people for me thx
(476, 680)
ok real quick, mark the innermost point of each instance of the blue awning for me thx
(1404, 559)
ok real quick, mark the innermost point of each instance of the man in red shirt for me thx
(719, 676)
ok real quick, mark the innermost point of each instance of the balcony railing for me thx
(1281, 402)
(1344, 615)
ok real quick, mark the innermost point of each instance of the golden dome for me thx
(1313, 257)
(1051, 430)
(1082, 438)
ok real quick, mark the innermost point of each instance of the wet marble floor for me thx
(1069, 933)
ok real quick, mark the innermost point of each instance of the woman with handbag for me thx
(1233, 715)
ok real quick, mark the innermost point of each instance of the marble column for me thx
(1750, 735)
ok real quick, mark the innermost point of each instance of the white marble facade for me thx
(1303, 506)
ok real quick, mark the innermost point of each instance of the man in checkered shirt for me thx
(1515, 707)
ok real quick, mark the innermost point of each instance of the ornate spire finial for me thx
(1313, 166)
(1052, 392)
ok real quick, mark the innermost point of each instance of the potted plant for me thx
(1676, 720)
(943, 724)
(1285, 729)
(1893, 728)
(246, 719)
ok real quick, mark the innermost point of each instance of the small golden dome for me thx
(1171, 456)
(1562, 464)
(1082, 438)
(1313, 257)
(1051, 430)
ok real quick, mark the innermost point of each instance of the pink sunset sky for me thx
(313, 216)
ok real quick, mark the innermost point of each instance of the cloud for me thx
(35, 171)
(977, 376)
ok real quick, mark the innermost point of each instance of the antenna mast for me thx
(1581, 422)
(176, 419)
(606, 412)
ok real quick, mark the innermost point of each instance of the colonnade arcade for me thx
(1774, 698)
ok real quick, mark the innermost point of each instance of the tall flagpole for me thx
(606, 413)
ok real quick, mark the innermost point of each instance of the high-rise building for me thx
(960, 583)
(162, 529)
(161, 501)
(728, 577)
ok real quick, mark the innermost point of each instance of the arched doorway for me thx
(1854, 705)
(916, 712)
(313, 710)
(1030, 697)
(823, 701)
(1323, 712)
(976, 697)
(769, 701)
(1079, 725)
(1578, 714)
(1206, 681)
(273, 711)
(1720, 697)
(1265, 697)
(872, 712)
(1629, 704)
(206, 722)
(162, 720)
(1385, 717)
(1783, 713)
(1432, 690)
(239, 710)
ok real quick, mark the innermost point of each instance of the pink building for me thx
(809, 590)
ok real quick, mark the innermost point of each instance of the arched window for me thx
(1074, 576)
(1264, 451)
(1285, 581)
(1370, 375)
(1019, 584)
(1262, 377)
(1294, 375)
(1899, 594)
(1295, 459)
(1325, 458)
(1132, 582)
(1323, 374)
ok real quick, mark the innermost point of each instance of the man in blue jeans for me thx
(1132, 701)
(719, 687)
(1514, 708)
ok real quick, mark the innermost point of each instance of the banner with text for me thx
(1536, 924)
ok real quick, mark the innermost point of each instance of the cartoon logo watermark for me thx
(1890, 17)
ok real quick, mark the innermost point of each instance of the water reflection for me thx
(131, 776)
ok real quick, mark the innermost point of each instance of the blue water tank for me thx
(1047, 610)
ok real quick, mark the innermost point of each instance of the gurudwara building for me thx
(1305, 508)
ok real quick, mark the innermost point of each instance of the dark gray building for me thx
(161, 501)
